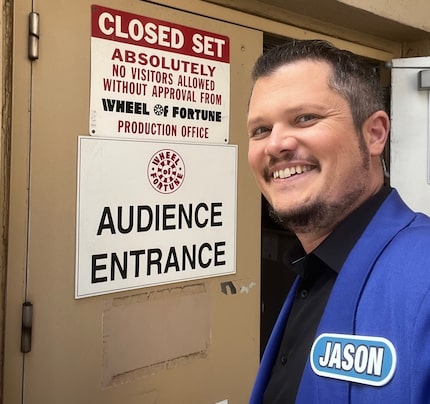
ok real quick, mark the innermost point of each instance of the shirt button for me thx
(304, 294)
(284, 359)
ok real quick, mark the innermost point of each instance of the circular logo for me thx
(166, 171)
(158, 109)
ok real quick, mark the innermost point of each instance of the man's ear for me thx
(375, 130)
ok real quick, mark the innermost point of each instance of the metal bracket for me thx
(33, 35)
(424, 80)
(26, 327)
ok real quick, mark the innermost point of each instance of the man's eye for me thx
(306, 118)
(258, 132)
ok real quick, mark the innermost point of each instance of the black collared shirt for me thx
(318, 272)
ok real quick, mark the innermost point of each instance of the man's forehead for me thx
(296, 77)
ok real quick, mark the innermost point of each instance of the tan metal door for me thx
(112, 348)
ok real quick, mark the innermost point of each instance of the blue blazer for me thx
(383, 290)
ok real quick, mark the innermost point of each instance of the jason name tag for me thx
(354, 358)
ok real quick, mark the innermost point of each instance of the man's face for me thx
(304, 149)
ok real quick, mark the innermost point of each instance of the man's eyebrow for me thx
(299, 109)
(255, 121)
(305, 107)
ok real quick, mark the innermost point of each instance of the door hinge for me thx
(33, 35)
(26, 326)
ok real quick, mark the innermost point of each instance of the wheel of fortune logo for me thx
(166, 171)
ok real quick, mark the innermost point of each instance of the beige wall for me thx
(274, 17)
(411, 13)
(400, 27)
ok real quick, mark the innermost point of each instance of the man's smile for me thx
(289, 171)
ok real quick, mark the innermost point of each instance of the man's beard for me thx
(318, 215)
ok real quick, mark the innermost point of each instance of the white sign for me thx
(157, 80)
(149, 213)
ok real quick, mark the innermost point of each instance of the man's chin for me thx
(301, 219)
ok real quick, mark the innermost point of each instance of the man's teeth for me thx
(288, 172)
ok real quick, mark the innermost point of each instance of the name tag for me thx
(355, 358)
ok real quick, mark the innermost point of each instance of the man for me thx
(355, 328)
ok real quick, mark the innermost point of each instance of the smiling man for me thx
(317, 130)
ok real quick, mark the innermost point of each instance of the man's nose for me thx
(281, 139)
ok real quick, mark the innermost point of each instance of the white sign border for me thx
(155, 284)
